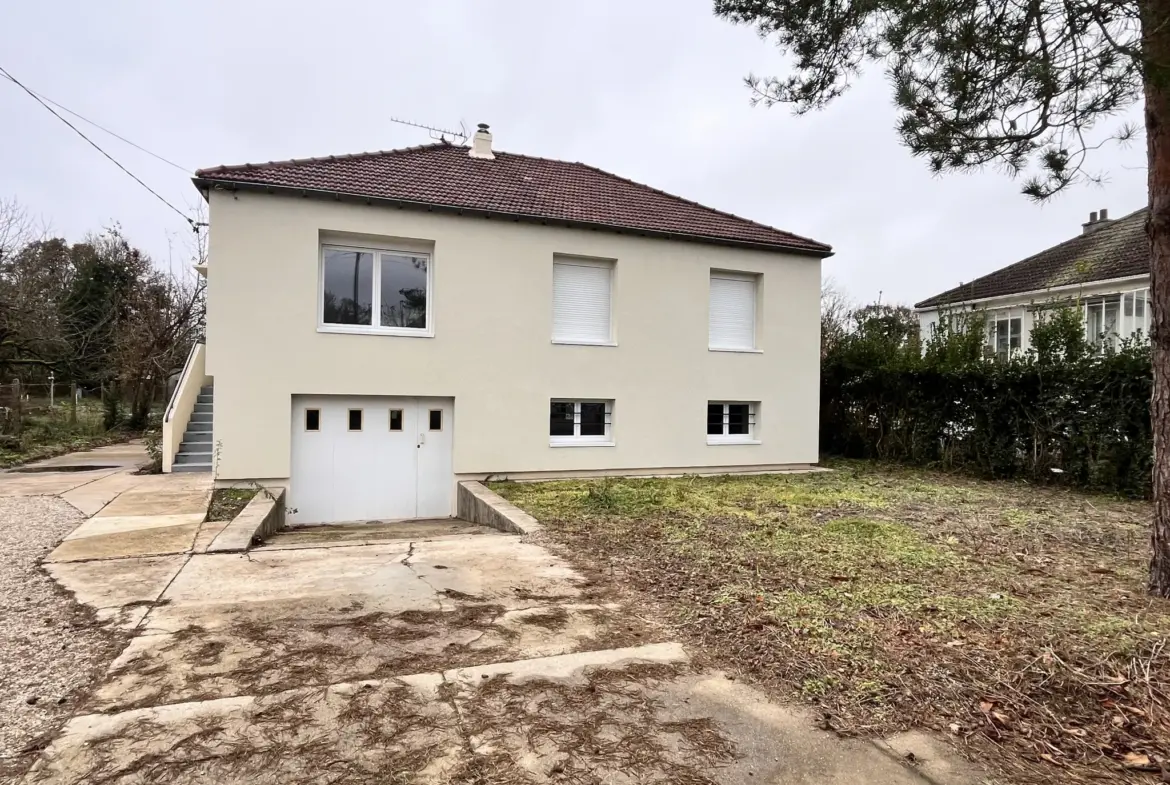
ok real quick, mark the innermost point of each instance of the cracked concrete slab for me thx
(110, 585)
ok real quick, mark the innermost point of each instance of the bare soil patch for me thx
(1011, 618)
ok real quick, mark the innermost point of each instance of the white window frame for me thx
(754, 280)
(576, 440)
(1005, 317)
(1132, 324)
(1098, 303)
(609, 266)
(376, 293)
(751, 437)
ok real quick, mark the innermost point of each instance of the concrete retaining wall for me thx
(479, 505)
(262, 518)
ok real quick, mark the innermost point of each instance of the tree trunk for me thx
(1156, 51)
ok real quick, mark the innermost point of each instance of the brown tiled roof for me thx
(1117, 250)
(516, 186)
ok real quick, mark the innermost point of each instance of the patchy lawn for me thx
(1011, 618)
(227, 503)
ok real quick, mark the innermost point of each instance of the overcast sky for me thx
(648, 89)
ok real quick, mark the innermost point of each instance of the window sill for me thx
(359, 330)
(739, 351)
(562, 342)
(581, 444)
(712, 442)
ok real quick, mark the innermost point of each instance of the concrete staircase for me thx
(195, 450)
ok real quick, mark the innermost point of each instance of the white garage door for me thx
(370, 458)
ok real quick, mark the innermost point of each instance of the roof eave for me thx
(206, 184)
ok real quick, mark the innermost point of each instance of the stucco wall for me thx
(492, 349)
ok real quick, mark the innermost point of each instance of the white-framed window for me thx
(1135, 313)
(582, 301)
(1005, 335)
(375, 290)
(731, 422)
(731, 313)
(580, 423)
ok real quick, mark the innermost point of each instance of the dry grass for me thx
(227, 503)
(1012, 618)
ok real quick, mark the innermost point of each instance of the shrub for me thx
(1064, 411)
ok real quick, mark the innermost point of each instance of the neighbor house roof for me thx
(1118, 249)
(443, 176)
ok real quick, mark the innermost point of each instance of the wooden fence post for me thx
(17, 407)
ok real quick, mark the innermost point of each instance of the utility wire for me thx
(95, 146)
(100, 127)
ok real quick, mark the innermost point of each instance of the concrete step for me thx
(191, 437)
(207, 389)
(205, 398)
(201, 416)
(191, 467)
(193, 457)
(196, 426)
(195, 448)
(202, 407)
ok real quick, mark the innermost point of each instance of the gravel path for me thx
(50, 647)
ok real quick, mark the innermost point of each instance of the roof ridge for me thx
(941, 298)
(700, 205)
(318, 159)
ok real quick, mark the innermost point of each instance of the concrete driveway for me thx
(402, 653)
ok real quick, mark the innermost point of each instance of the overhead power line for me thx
(100, 127)
(76, 130)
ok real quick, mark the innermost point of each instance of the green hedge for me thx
(1062, 412)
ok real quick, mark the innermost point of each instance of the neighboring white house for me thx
(382, 325)
(1104, 271)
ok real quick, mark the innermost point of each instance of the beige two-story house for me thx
(383, 325)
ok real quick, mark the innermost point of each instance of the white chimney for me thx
(481, 143)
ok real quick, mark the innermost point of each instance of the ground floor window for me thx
(1006, 336)
(731, 422)
(1117, 316)
(580, 422)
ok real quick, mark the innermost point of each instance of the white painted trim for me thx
(375, 293)
(1032, 292)
(556, 342)
(604, 440)
(578, 442)
(734, 438)
(734, 351)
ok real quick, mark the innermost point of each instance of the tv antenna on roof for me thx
(457, 137)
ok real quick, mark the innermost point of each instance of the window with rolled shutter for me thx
(732, 311)
(581, 301)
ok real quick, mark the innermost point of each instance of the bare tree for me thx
(835, 310)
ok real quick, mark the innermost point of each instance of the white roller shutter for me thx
(732, 314)
(581, 302)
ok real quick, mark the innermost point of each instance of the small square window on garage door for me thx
(312, 419)
(355, 419)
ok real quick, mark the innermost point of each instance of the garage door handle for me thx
(422, 437)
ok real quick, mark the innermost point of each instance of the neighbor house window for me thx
(731, 422)
(366, 290)
(580, 423)
(731, 311)
(1103, 320)
(1005, 336)
(582, 300)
